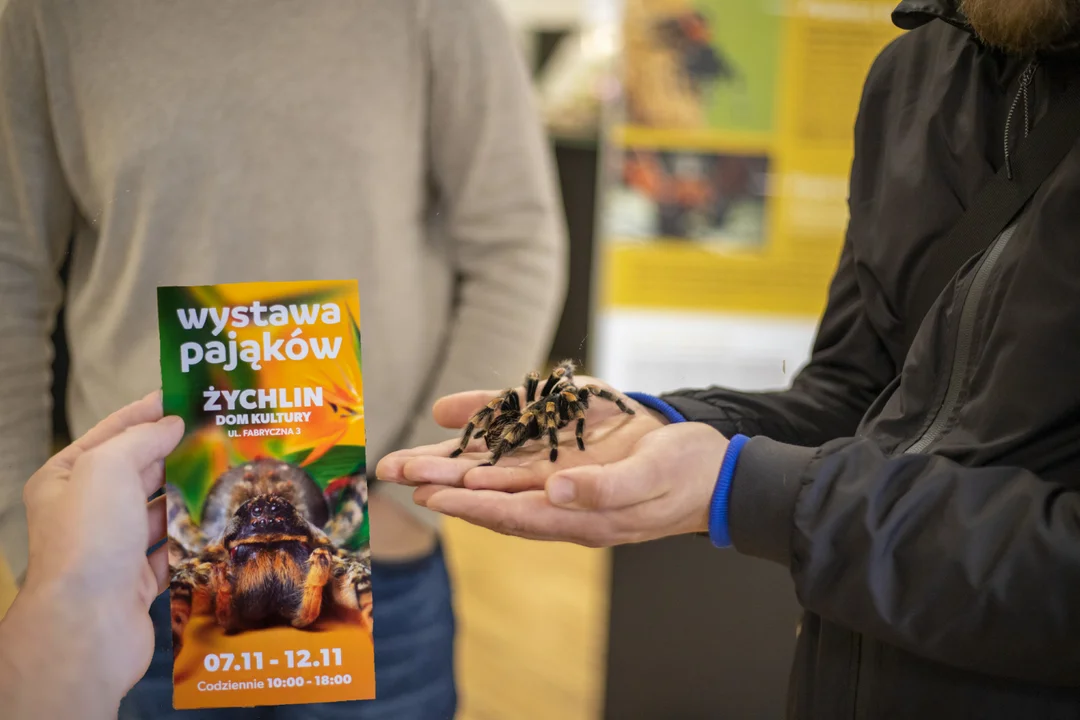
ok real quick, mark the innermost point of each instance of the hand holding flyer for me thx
(267, 498)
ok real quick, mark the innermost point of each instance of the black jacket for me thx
(925, 498)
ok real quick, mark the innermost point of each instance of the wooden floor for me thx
(532, 626)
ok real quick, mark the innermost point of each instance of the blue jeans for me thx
(414, 657)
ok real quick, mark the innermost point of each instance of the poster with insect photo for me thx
(267, 497)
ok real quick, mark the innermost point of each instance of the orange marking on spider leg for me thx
(223, 609)
(579, 414)
(551, 420)
(317, 576)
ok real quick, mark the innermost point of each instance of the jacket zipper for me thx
(962, 354)
(957, 374)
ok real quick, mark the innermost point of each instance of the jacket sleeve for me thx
(977, 568)
(36, 217)
(850, 364)
(848, 368)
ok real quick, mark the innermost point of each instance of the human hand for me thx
(79, 631)
(663, 487)
(609, 435)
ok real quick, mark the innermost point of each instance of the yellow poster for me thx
(726, 175)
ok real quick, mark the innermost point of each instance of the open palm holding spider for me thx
(514, 440)
(571, 461)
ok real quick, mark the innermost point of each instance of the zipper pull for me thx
(1021, 94)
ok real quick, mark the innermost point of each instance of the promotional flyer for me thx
(267, 498)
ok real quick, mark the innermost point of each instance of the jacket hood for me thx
(911, 14)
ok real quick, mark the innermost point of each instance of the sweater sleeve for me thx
(494, 177)
(36, 214)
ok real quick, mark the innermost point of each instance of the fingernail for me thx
(561, 491)
(174, 420)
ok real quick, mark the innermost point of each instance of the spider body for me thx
(266, 552)
(506, 426)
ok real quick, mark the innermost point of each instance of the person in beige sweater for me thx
(198, 142)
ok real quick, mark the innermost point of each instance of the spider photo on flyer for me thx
(268, 551)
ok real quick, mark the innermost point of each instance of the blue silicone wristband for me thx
(718, 508)
(654, 403)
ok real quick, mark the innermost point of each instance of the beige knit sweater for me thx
(164, 142)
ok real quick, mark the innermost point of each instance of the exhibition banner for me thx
(725, 176)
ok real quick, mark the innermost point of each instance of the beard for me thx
(1021, 26)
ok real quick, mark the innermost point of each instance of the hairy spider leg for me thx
(184, 534)
(511, 405)
(545, 415)
(351, 585)
(610, 397)
(223, 605)
(188, 576)
(579, 432)
(575, 405)
(551, 422)
(507, 400)
(350, 514)
(318, 574)
(532, 381)
(564, 371)
(514, 436)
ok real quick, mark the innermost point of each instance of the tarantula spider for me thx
(505, 426)
(267, 551)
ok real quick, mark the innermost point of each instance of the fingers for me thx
(147, 410)
(430, 470)
(156, 521)
(527, 514)
(636, 479)
(153, 478)
(391, 468)
(147, 444)
(507, 478)
(454, 411)
(159, 564)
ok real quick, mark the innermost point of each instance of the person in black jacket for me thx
(920, 477)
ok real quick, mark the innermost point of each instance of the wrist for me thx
(719, 504)
(47, 648)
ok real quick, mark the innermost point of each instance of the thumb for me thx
(635, 479)
(454, 411)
